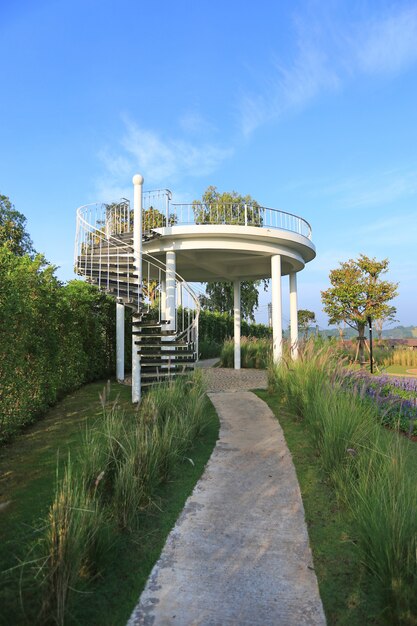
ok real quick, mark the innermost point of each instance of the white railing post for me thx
(137, 256)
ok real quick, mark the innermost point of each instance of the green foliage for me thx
(13, 233)
(219, 297)
(229, 208)
(123, 461)
(215, 328)
(357, 293)
(53, 338)
(370, 469)
(305, 319)
(255, 353)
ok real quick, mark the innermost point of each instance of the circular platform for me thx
(226, 253)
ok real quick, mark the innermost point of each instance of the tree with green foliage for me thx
(219, 297)
(234, 209)
(357, 293)
(226, 208)
(13, 232)
(305, 319)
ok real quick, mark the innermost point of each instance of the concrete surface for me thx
(239, 553)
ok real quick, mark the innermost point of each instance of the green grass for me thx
(345, 589)
(28, 471)
(397, 369)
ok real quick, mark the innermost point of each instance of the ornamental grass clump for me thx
(123, 460)
(372, 471)
(73, 539)
(255, 353)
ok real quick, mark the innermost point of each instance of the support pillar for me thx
(293, 316)
(120, 342)
(137, 253)
(276, 308)
(171, 311)
(236, 319)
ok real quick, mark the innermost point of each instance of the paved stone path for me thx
(239, 554)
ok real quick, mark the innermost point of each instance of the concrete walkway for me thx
(239, 553)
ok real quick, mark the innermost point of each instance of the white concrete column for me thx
(236, 319)
(170, 291)
(293, 316)
(276, 308)
(120, 341)
(137, 252)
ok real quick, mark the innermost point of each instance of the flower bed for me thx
(395, 398)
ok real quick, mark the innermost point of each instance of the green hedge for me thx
(53, 338)
(218, 327)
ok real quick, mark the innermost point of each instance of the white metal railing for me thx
(104, 254)
(160, 212)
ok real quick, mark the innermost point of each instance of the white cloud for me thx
(329, 53)
(160, 160)
(390, 44)
(290, 88)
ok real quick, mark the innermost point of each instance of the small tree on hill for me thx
(305, 319)
(357, 292)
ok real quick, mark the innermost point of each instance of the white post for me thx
(276, 308)
(170, 291)
(236, 322)
(137, 253)
(120, 341)
(293, 316)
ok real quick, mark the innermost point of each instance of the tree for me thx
(226, 208)
(387, 317)
(357, 293)
(13, 233)
(234, 209)
(305, 319)
(219, 297)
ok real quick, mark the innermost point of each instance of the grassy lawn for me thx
(27, 479)
(397, 369)
(346, 592)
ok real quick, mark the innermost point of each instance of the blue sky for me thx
(308, 106)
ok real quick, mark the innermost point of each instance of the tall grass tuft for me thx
(255, 353)
(401, 356)
(371, 470)
(124, 458)
(72, 539)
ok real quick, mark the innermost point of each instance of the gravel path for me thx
(225, 379)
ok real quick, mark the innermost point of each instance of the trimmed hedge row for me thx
(53, 338)
(218, 327)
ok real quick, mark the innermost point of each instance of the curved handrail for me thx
(98, 232)
(237, 214)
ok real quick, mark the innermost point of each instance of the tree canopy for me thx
(305, 319)
(358, 292)
(219, 297)
(13, 234)
(229, 207)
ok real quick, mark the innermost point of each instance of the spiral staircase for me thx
(164, 335)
